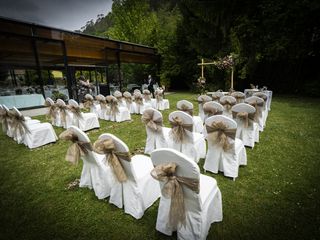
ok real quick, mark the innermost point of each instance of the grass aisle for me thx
(275, 197)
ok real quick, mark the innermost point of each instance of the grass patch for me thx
(275, 197)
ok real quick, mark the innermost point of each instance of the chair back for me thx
(73, 102)
(204, 98)
(49, 101)
(186, 167)
(261, 95)
(186, 118)
(243, 107)
(220, 118)
(61, 102)
(120, 146)
(185, 106)
(239, 96)
(216, 96)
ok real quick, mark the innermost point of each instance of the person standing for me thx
(150, 83)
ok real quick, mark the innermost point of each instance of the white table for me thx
(22, 101)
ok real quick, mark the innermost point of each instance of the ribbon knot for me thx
(211, 111)
(77, 148)
(219, 133)
(147, 119)
(186, 109)
(172, 188)
(76, 111)
(18, 123)
(179, 130)
(107, 147)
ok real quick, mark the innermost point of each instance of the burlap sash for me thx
(172, 189)
(18, 123)
(88, 103)
(4, 117)
(119, 99)
(76, 111)
(186, 109)
(179, 129)
(243, 117)
(108, 148)
(238, 96)
(63, 113)
(159, 96)
(202, 100)
(128, 99)
(114, 109)
(227, 103)
(153, 125)
(261, 95)
(51, 114)
(211, 111)
(147, 95)
(258, 106)
(77, 147)
(215, 98)
(219, 133)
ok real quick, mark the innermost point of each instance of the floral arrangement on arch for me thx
(226, 62)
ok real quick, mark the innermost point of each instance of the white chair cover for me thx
(227, 102)
(226, 161)
(69, 115)
(239, 96)
(87, 121)
(155, 139)
(122, 115)
(117, 94)
(129, 102)
(95, 107)
(202, 99)
(202, 208)
(186, 106)
(160, 103)
(101, 108)
(96, 173)
(265, 109)
(259, 104)
(248, 134)
(212, 105)
(140, 105)
(51, 106)
(195, 148)
(216, 96)
(8, 128)
(140, 191)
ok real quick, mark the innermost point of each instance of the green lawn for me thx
(275, 197)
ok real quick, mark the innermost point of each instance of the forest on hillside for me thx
(274, 43)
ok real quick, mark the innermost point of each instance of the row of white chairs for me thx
(63, 115)
(25, 130)
(202, 204)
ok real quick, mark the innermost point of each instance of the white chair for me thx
(90, 104)
(157, 135)
(64, 117)
(101, 107)
(118, 95)
(160, 103)
(212, 108)
(192, 144)
(225, 151)
(4, 119)
(115, 112)
(216, 96)
(258, 104)
(202, 207)
(85, 121)
(129, 103)
(139, 191)
(248, 129)
(7, 121)
(187, 107)
(147, 97)
(96, 173)
(140, 106)
(265, 109)
(202, 99)
(52, 111)
(239, 96)
(227, 102)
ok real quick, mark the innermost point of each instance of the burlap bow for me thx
(215, 98)
(243, 117)
(179, 129)
(186, 109)
(77, 148)
(127, 98)
(76, 111)
(51, 114)
(202, 100)
(261, 95)
(219, 133)
(211, 111)
(88, 102)
(227, 103)
(238, 96)
(258, 106)
(4, 118)
(18, 123)
(114, 109)
(102, 102)
(153, 124)
(172, 189)
(159, 96)
(63, 113)
(147, 95)
(107, 147)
